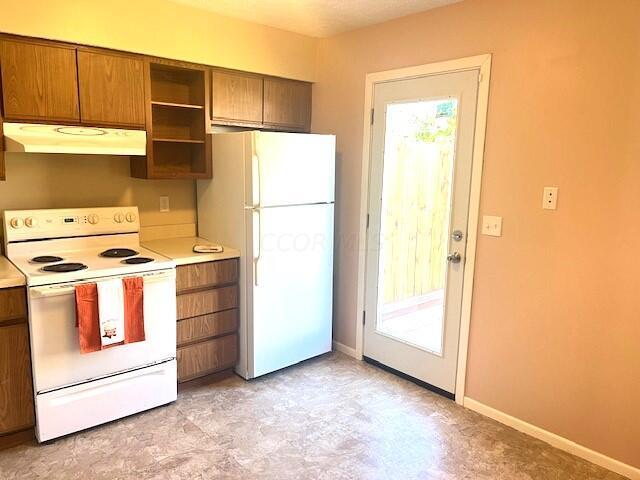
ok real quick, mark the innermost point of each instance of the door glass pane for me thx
(419, 150)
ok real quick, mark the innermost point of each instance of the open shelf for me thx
(176, 85)
(179, 160)
(182, 124)
(177, 105)
(177, 140)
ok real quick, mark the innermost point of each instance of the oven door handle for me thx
(70, 288)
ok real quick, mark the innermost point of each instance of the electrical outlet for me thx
(492, 226)
(550, 198)
(164, 203)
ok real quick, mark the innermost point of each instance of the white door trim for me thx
(482, 63)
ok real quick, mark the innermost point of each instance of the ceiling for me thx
(317, 18)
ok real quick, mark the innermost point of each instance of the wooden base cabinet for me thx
(16, 389)
(208, 316)
(210, 356)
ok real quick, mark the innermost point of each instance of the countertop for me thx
(10, 276)
(181, 251)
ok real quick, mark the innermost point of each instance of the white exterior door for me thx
(420, 177)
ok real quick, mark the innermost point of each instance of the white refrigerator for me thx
(272, 198)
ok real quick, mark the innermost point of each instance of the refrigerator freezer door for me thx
(291, 285)
(291, 169)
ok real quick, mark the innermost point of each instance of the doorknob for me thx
(454, 257)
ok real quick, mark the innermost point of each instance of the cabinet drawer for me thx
(207, 357)
(205, 326)
(13, 304)
(204, 275)
(208, 301)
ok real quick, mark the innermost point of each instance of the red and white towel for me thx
(110, 313)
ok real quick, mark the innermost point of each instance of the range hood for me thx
(36, 138)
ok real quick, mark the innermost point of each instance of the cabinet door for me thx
(237, 98)
(16, 394)
(2, 174)
(287, 104)
(39, 82)
(111, 89)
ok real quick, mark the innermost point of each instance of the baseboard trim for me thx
(557, 441)
(17, 438)
(341, 347)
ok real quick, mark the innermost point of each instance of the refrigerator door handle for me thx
(255, 167)
(256, 243)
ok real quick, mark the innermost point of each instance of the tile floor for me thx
(328, 418)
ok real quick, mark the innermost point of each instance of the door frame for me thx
(483, 64)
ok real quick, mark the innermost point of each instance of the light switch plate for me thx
(164, 204)
(492, 226)
(550, 198)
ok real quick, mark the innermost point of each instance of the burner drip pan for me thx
(46, 259)
(64, 267)
(118, 253)
(137, 260)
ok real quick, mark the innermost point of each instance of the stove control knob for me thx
(93, 219)
(131, 217)
(16, 222)
(31, 222)
(118, 218)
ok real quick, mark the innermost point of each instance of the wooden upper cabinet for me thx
(39, 82)
(111, 89)
(2, 174)
(237, 98)
(287, 104)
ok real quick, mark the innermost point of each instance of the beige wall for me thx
(65, 181)
(155, 27)
(166, 29)
(555, 323)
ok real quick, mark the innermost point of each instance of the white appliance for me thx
(272, 197)
(37, 138)
(57, 250)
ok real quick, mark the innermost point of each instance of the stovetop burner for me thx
(46, 259)
(64, 267)
(137, 260)
(118, 253)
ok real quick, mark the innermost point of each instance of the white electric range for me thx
(58, 249)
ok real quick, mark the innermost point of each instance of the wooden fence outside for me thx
(415, 219)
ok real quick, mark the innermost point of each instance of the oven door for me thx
(55, 350)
